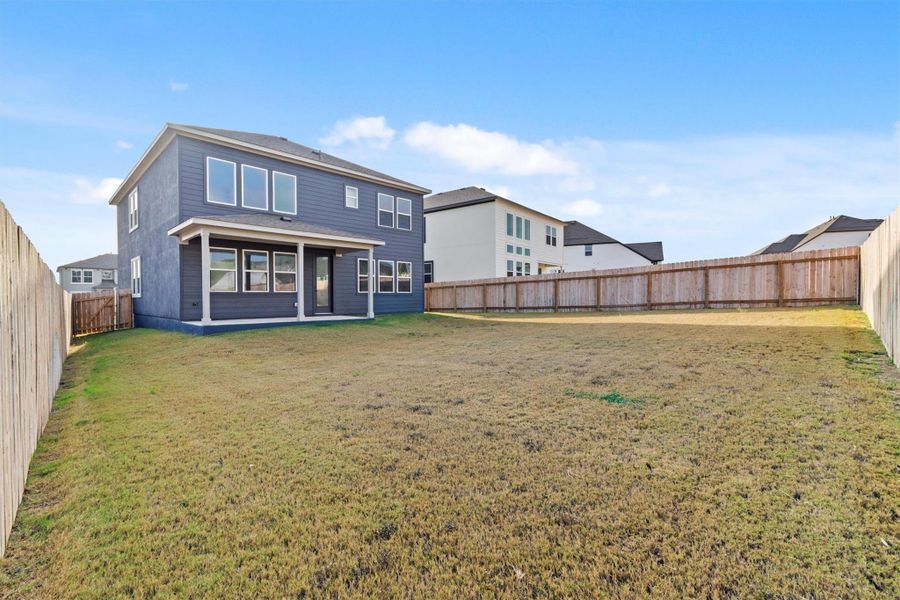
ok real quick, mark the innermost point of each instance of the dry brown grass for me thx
(752, 454)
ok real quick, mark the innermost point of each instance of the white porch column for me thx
(300, 315)
(204, 275)
(371, 287)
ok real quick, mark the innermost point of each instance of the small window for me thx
(509, 268)
(509, 224)
(256, 271)
(588, 250)
(509, 248)
(362, 275)
(518, 268)
(527, 229)
(75, 276)
(136, 283)
(385, 210)
(284, 193)
(519, 227)
(527, 269)
(87, 276)
(351, 196)
(222, 270)
(550, 235)
(428, 271)
(527, 251)
(284, 269)
(385, 277)
(404, 214)
(133, 210)
(254, 188)
(221, 181)
(518, 249)
(404, 277)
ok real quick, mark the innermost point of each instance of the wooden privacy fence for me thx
(792, 279)
(34, 342)
(104, 310)
(880, 282)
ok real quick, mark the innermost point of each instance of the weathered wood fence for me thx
(103, 310)
(793, 279)
(34, 342)
(880, 282)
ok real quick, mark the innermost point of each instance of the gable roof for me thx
(840, 223)
(578, 234)
(107, 261)
(652, 251)
(269, 145)
(470, 196)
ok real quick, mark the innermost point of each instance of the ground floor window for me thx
(222, 270)
(509, 268)
(256, 271)
(362, 275)
(428, 271)
(518, 268)
(527, 268)
(136, 277)
(386, 276)
(404, 277)
(284, 268)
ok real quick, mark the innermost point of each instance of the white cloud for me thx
(94, 191)
(659, 190)
(482, 151)
(178, 86)
(369, 130)
(123, 145)
(582, 208)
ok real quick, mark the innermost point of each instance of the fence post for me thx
(599, 295)
(556, 293)
(427, 299)
(484, 296)
(705, 287)
(779, 281)
(649, 290)
(455, 301)
(517, 296)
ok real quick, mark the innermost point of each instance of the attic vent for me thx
(287, 219)
(317, 152)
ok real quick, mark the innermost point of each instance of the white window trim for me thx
(245, 271)
(409, 214)
(393, 277)
(84, 279)
(72, 276)
(274, 272)
(133, 213)
(381, 210)
(368, 276)
(236, 270)
(140, 277)
(233, 184)
(347, 188)
(397, 276)
(244, 185)
(294, 188)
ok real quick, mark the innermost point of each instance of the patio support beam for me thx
(300, 263)
(370, 312)
(204, 275)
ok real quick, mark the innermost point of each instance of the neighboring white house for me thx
(587, 249)
(90, 274)
(837, 232)
(471, 233)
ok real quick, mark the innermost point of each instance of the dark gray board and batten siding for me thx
(170, 268)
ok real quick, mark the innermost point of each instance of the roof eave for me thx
(196, 222)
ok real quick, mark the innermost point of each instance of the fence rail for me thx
(103, 310)
(880, 282)
(810, 278)
(34, 342)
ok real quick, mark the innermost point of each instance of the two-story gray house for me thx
(221, 230)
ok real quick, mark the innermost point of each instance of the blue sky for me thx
(714, 127)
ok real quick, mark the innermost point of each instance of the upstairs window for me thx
(509, 224)
(254, 188)
(404, 214)
(221, 181)
(385, 210)
(136, 281)
(256, 271)
(222, 270)
(404, 277)
(509, 248)
(527, 229)
(351, 196)
(284, 268)
(588, 250)
(527, 251)
(133, 210)
(551, 235)
(519, 227)
(518, 249)
(284, 193)
(87, 276)
(385, 277)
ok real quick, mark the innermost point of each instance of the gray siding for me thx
(320, 200)
(159, 252)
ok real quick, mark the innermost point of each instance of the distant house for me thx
(587, 249)
(471, 233)
(89, 275)
(837, 232)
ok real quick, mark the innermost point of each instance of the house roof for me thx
(840, 223)
(652, 251)
(470, 196)
(579, 234)
(275, 224)
(101, 261)
(269, 145)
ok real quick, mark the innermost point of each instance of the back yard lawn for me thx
(705, 454)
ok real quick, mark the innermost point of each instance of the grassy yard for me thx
(708, 454)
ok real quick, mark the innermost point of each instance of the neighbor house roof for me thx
(470, 196)
(652, 251)
(579, 234)
(101, 261)
(274, 224)
(270, 145)
(840, 223)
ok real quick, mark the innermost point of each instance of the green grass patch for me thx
(613, 397)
